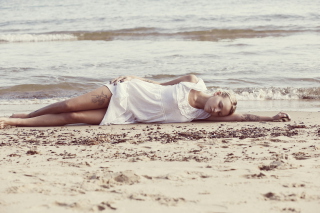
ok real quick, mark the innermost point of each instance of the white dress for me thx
(139, 101)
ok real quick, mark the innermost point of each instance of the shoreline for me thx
(185, 167)
(244, 106)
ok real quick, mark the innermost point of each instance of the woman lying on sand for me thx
(130, 99)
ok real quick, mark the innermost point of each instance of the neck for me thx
(198, 99)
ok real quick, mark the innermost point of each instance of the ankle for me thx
(6, 122)
(14, 121)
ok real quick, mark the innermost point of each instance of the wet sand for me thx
(189, 167)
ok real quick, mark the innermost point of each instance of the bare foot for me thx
(4, 122)
(19, 116)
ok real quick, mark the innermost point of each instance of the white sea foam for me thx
(267, 94)
(30, 101)
(273, 93)
(36, 37)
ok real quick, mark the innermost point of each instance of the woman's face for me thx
(217, 105)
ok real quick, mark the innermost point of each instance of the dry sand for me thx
(189, 167)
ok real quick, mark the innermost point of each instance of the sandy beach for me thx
(189, 167)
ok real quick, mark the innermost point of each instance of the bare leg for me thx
(19, 116)
(89, 117)
(97, 99)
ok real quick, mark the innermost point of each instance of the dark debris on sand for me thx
(61, 136)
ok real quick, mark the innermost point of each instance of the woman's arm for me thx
(249, 117)
(186, 78)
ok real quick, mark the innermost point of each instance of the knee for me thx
(67, 106)
(72, 117)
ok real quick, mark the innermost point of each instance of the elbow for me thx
(192, 78)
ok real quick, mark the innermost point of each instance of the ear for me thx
(217, 93)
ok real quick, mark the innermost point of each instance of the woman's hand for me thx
(281, 116)
(121, 79)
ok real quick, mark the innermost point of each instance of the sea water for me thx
(267, 52)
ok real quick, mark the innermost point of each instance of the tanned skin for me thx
(250, 117)
(99, 99)
(88, 108)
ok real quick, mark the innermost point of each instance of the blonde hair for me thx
(232, 97)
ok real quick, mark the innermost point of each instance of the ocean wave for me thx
(147, 33)
(278, 93)
(68, 89)
(30, 101)
(9, 38)
(199, 35)
(45, 91)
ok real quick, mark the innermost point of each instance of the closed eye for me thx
(221, 108)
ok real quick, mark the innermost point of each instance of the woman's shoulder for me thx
(198, 84)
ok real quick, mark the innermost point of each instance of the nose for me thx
(217, 110)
